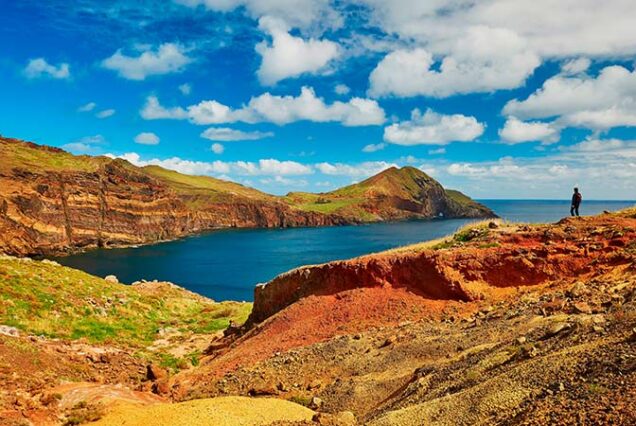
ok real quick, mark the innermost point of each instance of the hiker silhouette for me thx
(576, 202)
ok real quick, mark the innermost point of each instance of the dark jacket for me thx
(576, 199)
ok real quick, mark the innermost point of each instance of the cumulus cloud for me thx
(272, 167)
(432, 128)
(365, 169)
(480, 46)
(600, 103)
(147, 138)
(39, 67)
(288, 56)
(166, 59)
(373, 147)
(85, 145)
(516, 131)
(185, 89)
(105, 113)
(217, 148)
(175, 163)
(341, 89)
(268, 108)
(304, 14)
(548, 26)
(576, 66)
(597, 145)
(152, 110)
(484, 60)
(228, 134)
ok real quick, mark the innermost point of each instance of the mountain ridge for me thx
(53, 202)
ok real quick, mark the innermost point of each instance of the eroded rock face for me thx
(493, 258)
(55, 212)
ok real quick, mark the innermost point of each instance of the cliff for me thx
(52, 202)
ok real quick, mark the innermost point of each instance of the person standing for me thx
(576, 202)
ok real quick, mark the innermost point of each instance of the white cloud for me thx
(437, 151)
(373, 147)
(432, 128)
(147, 138)
(87, 107)
(548, 27)
(599, 103)
(481, 46)
(217, 148)
(185, 89)
(227, 134)
(303, 14)
(268, 108)
(175, 163)
(167, 58)
(105, 113)
(39, 67)
(264, 167)
(341, 89)
(596, 145)
(484, 60)
(290, 56)
(272, 167)
(364, 169)
(576, 66)
(85, 145)
(516, 131)
(152, 110)
(279, 180)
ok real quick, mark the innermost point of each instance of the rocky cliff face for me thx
(54, 202)
(480, 259)
(47, 210)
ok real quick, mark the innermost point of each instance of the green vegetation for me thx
(44, 298)
(203, 185)
(43, 158)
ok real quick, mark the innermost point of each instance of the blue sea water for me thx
(227, 264)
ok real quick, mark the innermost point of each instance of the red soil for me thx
(315, 303)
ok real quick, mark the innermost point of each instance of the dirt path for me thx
(222, 411)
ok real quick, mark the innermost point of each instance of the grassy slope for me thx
(198, 185)
(36, 158)
(44, 298)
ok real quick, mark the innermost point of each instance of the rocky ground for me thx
(499, 324)
(541, 317)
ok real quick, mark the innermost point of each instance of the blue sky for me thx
(500, 99)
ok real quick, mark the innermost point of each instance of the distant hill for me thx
(392, 194)
(55, 202)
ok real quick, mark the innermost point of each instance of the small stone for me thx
(9, 331)
(111, 279)
(315, 384)
(561, 387)
(521, 340)
(557, 328)
(346, 418)
(315, 403)
(582, 308)
(598, 329)
(493, 225)
(389, 341)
